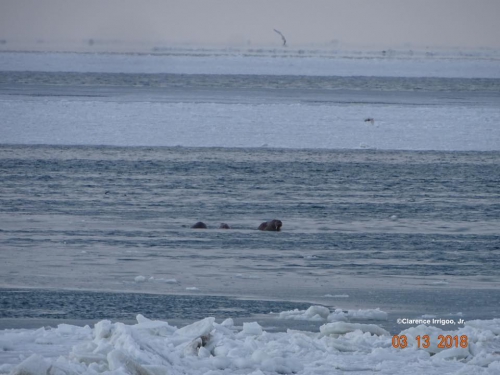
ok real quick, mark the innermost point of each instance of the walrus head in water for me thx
(272, 225)
(199, 225)
(224, 226)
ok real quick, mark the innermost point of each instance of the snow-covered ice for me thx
(322, 313)
(208, 347)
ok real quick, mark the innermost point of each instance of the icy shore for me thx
(207, 347)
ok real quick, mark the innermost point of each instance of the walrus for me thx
(199, 225)
(272, 225)
(224, 226)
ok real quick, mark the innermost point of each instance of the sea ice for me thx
(340, 328)
(163, 280)
(321, 313)
(140, 279)
(206, 347)
(252, 328)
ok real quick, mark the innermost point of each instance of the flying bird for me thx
(282, 37)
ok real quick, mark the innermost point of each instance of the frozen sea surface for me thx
(393, 220)
(115, 100)
(271, 63)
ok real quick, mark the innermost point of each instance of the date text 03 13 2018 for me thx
(445, 341)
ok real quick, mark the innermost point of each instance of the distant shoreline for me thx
(122, 48)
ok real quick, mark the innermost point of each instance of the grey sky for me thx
(360, 23)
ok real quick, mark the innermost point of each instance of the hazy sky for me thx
(370, 23)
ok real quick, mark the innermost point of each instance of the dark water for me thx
(38, 307)
(88, 305)
(246, 81)
(243, 88)
(413, 232)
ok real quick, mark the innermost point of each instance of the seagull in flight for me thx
(282, 37)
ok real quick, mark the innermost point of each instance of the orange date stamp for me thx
(444, 341)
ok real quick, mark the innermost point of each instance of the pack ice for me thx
(207, 347)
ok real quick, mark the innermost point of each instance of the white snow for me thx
(207, 347)
(252, 328)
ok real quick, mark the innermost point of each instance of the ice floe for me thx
(321, 313)
(208, 347)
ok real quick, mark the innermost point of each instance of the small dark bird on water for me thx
(370, 119)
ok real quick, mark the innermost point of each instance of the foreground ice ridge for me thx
(206, 347)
